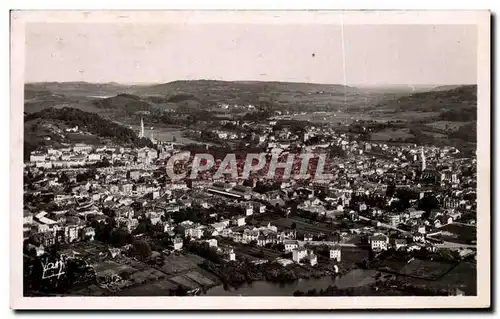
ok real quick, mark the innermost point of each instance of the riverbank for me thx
(353, 279)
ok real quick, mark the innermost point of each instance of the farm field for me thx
(174, 264)
(446, 125)
(389, 134)
(303, 226)
(426, 269)
(458, 233)
(417, 268)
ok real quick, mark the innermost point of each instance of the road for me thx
(328, 243)
(445, 244)
(404, 232)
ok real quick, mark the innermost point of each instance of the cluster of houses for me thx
(81, 155)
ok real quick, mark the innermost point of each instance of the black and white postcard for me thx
(250, 159)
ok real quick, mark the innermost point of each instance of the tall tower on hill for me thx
(424, 164)
(141, 134)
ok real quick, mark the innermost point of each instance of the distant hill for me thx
(453, 104)
(202, 94)
(123, 102)
(37, 99)
(80, 88)
(47, 128)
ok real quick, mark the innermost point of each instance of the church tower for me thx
(141, 134)
(424, 164)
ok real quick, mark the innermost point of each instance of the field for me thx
(417, 268)
(459, 233)
(303, 226)
(155, 288)
(389, 134)
(447, 125)
(426, 269)
(462, 276)
(180, 263)
(252, 252)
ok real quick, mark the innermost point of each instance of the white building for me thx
(379, 243)
(313, 259)
(290, 245)
(298, 254)
(335, 253)
(211, 242)
(82, 148)
(94, 157)
(37, 158)
(178, 243)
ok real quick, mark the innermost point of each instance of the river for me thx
(354, 278)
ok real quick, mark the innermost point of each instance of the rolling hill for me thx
(48, 127)
(123, 102)
(206, 93)
(454, 104)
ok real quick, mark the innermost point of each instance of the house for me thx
(37, 157)
(211, 242)
(94, 157)
(308, 237)
(286, 235)
(178, 243)
(420, 228)
(239, 221)
(437, 223)
(379, 242)
(230, 255)
(414, 213)
(259, 207)
(248, 209)
(290, 245)
(418, 237)
(413, 247)
(335, 253)
(88, 233)
(435, 213)
(353, 216)
(236, 236)
(393, 219)
(71, 233)
(263, 240)
(313, 259)
(27, 218)
(194, 232)
(226, 232)
(47, 239)
(400, 244)
(250, 235)
(220, 225)
(298, 254)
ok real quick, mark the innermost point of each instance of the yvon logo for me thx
(53, 269)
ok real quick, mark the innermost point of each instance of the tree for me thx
(141, 249)
(120, 237)
(63, 178)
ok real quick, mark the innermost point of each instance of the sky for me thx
(362, 55)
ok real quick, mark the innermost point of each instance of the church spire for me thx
(141, 134)
(424, 164)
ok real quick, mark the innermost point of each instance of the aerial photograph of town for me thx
(250, 160)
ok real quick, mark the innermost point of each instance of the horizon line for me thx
(359, 85)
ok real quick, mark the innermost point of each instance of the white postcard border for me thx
(480, 18)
